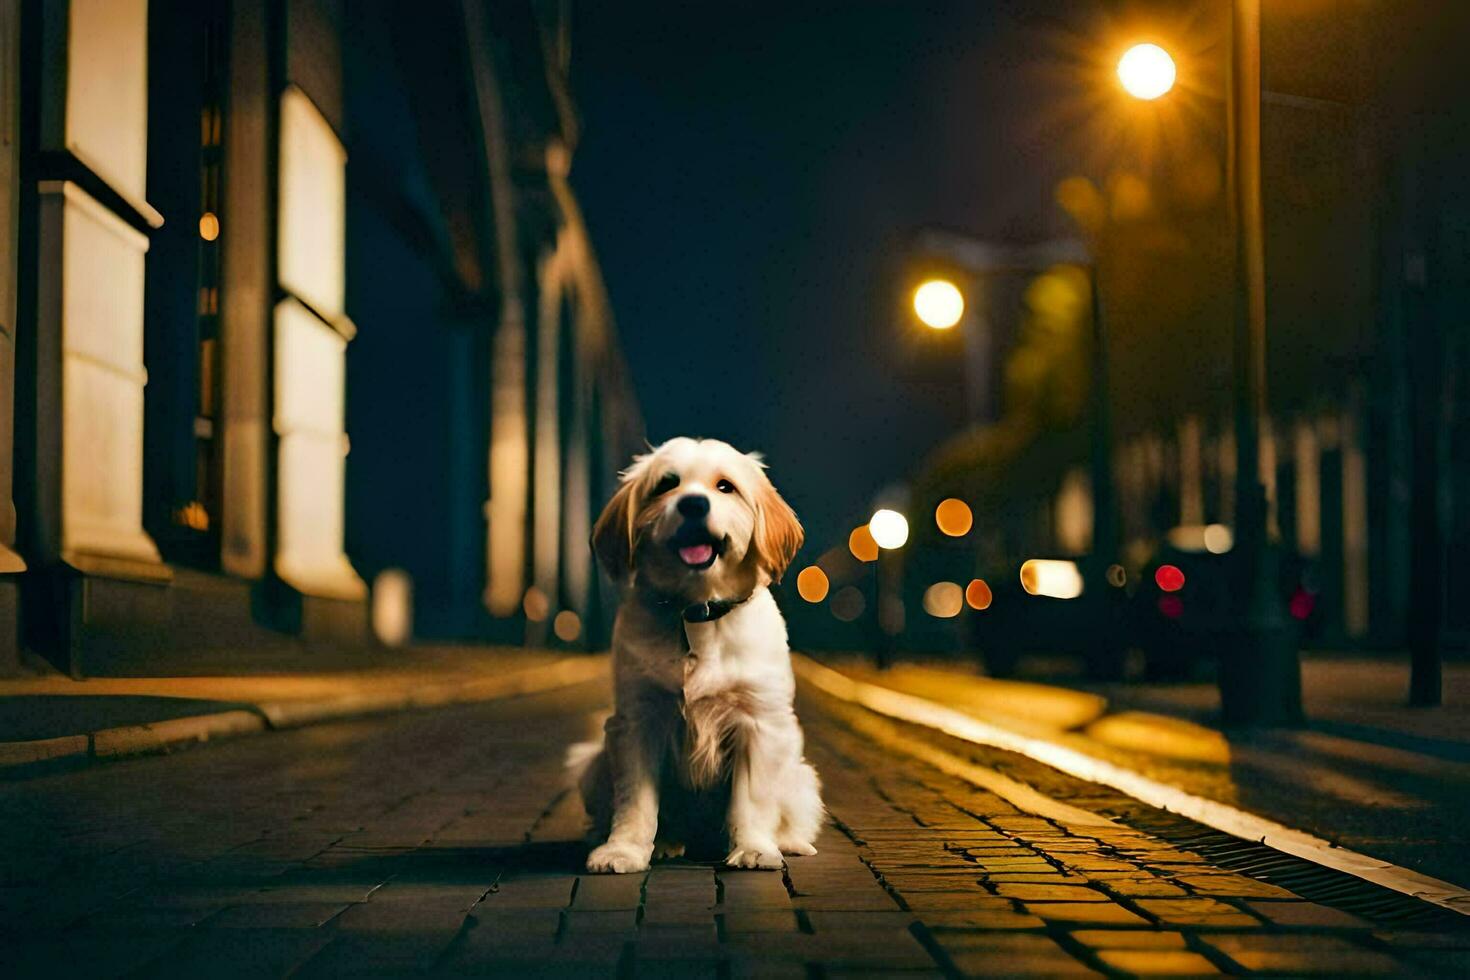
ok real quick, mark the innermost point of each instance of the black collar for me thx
(698, 612)
(708, 612)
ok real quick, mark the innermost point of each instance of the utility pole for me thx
(1260, 676)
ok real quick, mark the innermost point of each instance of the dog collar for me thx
(708, 612)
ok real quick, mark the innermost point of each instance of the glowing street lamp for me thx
(889, 528)
(938, 303)
(1260, 684)
(1146, 71)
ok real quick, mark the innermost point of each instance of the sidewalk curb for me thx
(161, 737)
(1212, 813)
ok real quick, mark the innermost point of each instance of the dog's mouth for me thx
(696, 547)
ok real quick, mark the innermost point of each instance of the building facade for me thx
(296, 295)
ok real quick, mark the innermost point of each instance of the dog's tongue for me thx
(697, 554)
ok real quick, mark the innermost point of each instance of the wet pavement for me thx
(447, 842)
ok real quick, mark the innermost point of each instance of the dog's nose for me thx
(693, 505)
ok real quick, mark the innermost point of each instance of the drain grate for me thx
(1311, 881)
(1324, 885)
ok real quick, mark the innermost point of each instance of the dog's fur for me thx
(703, 744)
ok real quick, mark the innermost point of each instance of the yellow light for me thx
(1117, 576)
(392, 609)
(812, 584)
(944, 600)
(939, 303)
(953, 517)
(567, 626)
(978, 594)
(208, 226)
(1214, 538)
(860, 542)
(1058, 579)
(535, 604)
(889, 528)
(1146, 71)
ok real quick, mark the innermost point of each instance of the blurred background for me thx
(331, 323)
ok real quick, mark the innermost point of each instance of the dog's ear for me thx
(778, 534)
(614, 535)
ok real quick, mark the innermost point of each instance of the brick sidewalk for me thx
(446, 842)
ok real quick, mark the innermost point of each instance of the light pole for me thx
(890, 530)
(981, 260)
(1260, 679)
(940, 304)
(1261, 683)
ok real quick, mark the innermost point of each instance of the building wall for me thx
(189, 382)
(11, 564)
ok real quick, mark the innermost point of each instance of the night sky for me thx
(749, 177)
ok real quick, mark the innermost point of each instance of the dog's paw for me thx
(667, 850)
(800, 848)
(616, 857)
(765, 857)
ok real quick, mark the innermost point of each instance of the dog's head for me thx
(697, 518)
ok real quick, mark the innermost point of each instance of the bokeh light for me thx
(889, 528)
(1146, 71)
(954, 517)
(848, 604)
(860, 542)
(1171, 606)
(1302, 603)
(537, 607)
(1117, 576)
(392, 610)
(1052, 577)
(939, 303)
(1218, 539)
(209, 226)
(944, 600)
(567, 626)
(978, 594)
(1169, 578)
(812, 584)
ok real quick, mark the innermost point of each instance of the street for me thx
(446, 842)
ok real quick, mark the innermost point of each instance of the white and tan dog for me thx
(703, 743)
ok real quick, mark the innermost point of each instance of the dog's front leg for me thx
(755, 809)
(633, 752)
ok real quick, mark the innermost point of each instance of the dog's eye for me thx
(725, 486)
(666, 483)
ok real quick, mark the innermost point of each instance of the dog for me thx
(703, 743)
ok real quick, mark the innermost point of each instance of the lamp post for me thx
(1260, 679)
(890, 530)
(980, 261)
(1260, 682)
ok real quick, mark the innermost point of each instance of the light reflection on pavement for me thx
(1405, 806)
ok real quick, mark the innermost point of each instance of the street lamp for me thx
(1260, 680)
(889, 528)
(1146, 71)
(980, 261)
(939, 304)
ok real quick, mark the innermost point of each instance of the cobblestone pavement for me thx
(446, 842)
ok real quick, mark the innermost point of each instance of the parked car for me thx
(1183, 610)
(1052, 606)
(1180, 611)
